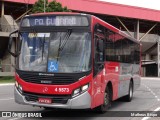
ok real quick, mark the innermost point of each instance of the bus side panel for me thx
(109, 73)
(112, 74)
(98, 89)
(124, 78)
(127, 72)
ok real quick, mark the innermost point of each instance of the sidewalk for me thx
(150, 78)
(6, 84)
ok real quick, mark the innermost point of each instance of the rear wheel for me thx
(129, 97)
(107, 102)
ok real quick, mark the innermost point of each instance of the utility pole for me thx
(2, 9)
(158, 60)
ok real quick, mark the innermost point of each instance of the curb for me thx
(150, 78)
(6, 84)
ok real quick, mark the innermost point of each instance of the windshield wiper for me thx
(43, 45)
(66, 38)
(59, 47)
(63, 43)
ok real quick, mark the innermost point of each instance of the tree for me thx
(53, 6)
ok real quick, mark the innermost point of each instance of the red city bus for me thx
(73, 61)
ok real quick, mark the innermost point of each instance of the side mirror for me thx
(10, 44)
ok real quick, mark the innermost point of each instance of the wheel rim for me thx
(131, 91)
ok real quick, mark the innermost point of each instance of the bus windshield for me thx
(62, 52)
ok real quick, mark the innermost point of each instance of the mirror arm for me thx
(10, 44)
(13, 32)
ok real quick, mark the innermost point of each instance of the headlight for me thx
(80, 90)
(76, 92)
(16, 84)
(19, 87)
(85, 87)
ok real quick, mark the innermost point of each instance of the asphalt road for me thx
(146, 98)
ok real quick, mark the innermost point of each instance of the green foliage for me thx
(49, 7)
(6, 79)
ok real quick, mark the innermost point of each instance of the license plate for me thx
(45, 100)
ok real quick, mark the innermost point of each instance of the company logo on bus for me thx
(46, 74)
(46, 82)
(45, 89)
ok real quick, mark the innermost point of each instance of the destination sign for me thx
(55, 21)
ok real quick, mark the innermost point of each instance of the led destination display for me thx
(55, 21)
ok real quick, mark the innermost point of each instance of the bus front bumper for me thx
(82, 101)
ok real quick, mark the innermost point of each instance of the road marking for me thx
(7, 99)
(6, 84)
(153, 93)
(156, 79)
(146, 118)
(157, 109)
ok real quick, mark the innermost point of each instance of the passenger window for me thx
(99, 49)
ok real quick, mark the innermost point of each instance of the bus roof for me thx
(55, 13)
(116, 30)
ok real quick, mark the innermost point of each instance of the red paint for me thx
(51, 89)
(109, 26)
(101, 79)
(110, 73)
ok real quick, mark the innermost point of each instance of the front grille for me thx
(33, 97)
(56, 79)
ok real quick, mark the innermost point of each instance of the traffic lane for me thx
(154, 88)
(143, 100)
(7, 102)
(6, 91)
(118, 105)
(57, 114)
(140, 96)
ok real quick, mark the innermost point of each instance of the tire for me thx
(128, 98)
(107, 102)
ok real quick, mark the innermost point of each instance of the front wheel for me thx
(107, 102)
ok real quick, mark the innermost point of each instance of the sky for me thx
(152, 4)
